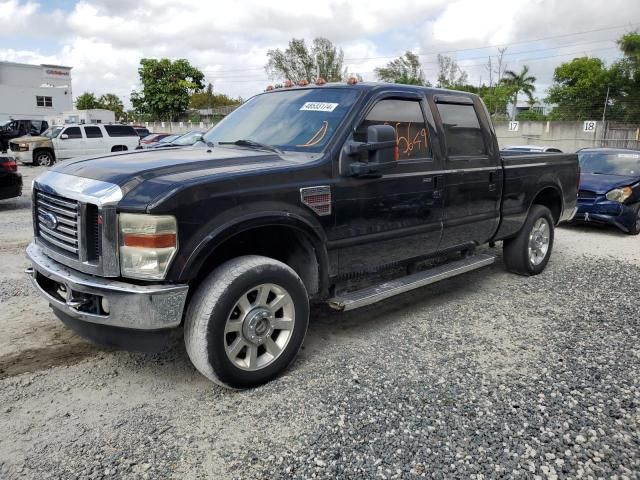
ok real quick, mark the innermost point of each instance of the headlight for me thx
(148, 243)
(23, 147)
(619, 194)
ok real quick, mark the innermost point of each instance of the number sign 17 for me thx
(513, 126)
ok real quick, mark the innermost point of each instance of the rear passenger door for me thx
(94, 140)
(472, 174)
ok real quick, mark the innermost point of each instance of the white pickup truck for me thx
(69, 141)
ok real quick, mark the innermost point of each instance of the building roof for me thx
(4, 62)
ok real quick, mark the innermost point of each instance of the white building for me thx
(95, 115)
(34, 91)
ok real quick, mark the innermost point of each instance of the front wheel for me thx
(529, 251)
(43, 159)
(246, 322)
(635, 228)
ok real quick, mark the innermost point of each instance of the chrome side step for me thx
(367, 296)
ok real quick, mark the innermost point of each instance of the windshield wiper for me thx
(245, 142)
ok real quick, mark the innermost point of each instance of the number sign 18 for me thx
(589, 126)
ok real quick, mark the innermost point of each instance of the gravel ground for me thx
(487, 375)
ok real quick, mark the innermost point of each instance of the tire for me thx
(227, 320)
(119, 148)
(635, 228)
(43, 158)
(528, 252)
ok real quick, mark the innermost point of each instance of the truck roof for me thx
(369, 86)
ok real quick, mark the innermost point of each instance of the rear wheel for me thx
(529, 251)
(246, 322)
(42, 158)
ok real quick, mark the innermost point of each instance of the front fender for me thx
(186, 267)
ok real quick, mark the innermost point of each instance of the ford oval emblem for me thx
(50, 220)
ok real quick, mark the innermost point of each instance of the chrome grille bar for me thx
(64, 233)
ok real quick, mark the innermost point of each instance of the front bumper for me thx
(608, 213)
(79, 296)
(25, 157)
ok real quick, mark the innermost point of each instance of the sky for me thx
(104, 40)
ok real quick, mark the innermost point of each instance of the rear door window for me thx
(93, 132)
(73, 132)
(120, 131)
(462, 130)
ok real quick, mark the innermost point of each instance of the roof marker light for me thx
(303, 83)
(320, 81)
(269, 88)
(288, 84)
(352, 80)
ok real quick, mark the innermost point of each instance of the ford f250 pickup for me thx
(337, 193)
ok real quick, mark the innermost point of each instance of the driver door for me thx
(398, 215)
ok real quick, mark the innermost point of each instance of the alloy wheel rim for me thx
(259, 327)
(539, 240)
(43, 160)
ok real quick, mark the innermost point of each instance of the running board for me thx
(367, 296)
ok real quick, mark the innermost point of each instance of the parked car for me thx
(610, 188)
(163, 140)
(142, 131)
(342, 194)
(186, 140)
(18, 128)
(152, 138)
(68, 141)
(10, 179)
(531, 149)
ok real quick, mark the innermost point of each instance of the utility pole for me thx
(606, 101)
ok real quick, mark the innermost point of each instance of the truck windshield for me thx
(610, 163)
(52, 132)
(296, 120)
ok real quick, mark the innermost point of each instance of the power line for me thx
(244, 79)
(467, 49)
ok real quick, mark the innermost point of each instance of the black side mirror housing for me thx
(381, 147)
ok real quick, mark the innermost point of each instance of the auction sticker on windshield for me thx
(319, 106)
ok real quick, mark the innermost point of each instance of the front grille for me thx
(57, 226)
(14, 147)
(586, 194)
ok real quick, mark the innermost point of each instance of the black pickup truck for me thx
(336, 193)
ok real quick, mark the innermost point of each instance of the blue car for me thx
(610, 188)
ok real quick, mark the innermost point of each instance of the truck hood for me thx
(30, 139)
(172, 165)
(601, 184)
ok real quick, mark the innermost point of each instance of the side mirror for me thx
(64, 136)
(380, 148)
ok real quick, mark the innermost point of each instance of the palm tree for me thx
(520, 82)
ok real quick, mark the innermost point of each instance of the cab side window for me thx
(462, 130)
(405, 116)
(73, 132)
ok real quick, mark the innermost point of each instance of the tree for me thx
(110, 101)
(87, 101)
(450, 75)
(625, 76)
(519, 82)
(298, 63)
(405, 69)
(579, 89)
(167, 87)
(208, 99)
